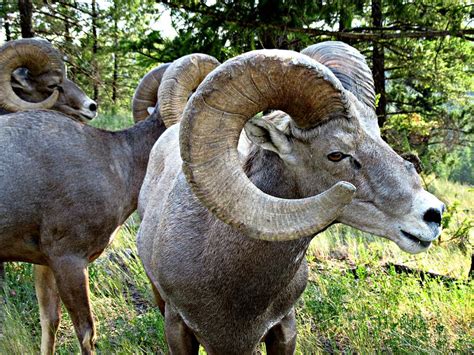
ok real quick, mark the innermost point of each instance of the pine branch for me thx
(70, 21)
(74, 5)
(377, 33)
(148, 55)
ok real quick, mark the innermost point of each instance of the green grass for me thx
(126, 320)
(113, 122)
(373, 311)
(383, 312)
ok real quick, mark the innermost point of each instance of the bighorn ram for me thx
(224, 243)
(33, 76)
(65, 187)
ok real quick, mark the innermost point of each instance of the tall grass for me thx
(371, 310)
(384, 312)
(126, 319)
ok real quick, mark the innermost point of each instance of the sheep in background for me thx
(33, 76)
(65, 189)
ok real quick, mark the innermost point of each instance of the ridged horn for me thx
(182, 78)
(39, 57)
(146, 93)
(214, 118)
(348, 65)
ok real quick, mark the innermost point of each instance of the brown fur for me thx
(65, 187)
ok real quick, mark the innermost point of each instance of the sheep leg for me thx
(180, 338)
(72, 280)
(158, 299)
(281, 338)
(49, 306)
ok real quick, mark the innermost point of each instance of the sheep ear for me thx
(21, 80)
(267, 135)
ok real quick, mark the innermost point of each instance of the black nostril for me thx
(92, 107)
(432, 215)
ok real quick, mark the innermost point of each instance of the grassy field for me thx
(351, 305)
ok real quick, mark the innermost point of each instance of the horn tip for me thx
(344, 192)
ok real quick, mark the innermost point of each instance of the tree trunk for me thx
(6, 26)
(25, 7)
(8, 34)
(68, 40)
(378, 64)
(342, 26)
(267, 12)
(6, 22)
(115, 57)
(94, 51)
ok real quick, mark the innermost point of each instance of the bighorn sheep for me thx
(223, 243)
(33, 76)
(65, 187)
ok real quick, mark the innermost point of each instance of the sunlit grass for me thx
(113, 122)
(122, 302)
(377, 311)
(382, 312)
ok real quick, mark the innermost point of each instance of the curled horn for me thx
(179, 81)
(146, 94)
(348, 65)
(213, 120)
(39, 57)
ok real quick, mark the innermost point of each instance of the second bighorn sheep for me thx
(223, 243)
(65, 188)
(33, 76)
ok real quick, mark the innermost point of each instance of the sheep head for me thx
(34, 77)
(329, 143)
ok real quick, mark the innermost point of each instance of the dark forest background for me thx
(420, 52)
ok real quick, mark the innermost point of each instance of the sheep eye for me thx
(336, 156)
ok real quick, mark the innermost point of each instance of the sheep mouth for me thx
(423, 243)
(83, 117)
(89, 115)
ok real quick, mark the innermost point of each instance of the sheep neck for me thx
(133, 149)
(267, 267)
